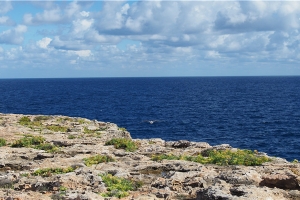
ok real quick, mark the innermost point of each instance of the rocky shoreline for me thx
(60, 157)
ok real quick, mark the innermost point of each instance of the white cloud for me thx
(5, 6)
(5, 20)
(82, 53)
(82, 25)
(13, 36)
(159, 33)
(43, 43)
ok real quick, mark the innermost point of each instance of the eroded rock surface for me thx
(78, 139)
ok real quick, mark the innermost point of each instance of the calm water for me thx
(260, 113)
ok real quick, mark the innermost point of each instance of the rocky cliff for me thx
(59, 157)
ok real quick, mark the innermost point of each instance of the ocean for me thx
(257, 113)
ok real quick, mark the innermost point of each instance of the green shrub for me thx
(226, 157)
(123, 143)
(57, 128)
(71, 136)
(240, 157)
(2, 142)
(24, 121)
(50, 148)
(122, 129)
(41, 118)
(46, 172)
(28, 141)
(81, 121)
(118, 187)
(25, 175)
(97, 159)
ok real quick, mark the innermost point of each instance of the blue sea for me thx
(257, 113)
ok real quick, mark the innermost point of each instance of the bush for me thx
(24, 121)
(50, 148)
(46, 172)
(41, 118)
(123, 143)
(226, 157)
(71, 136)
(2, 142)
(118, 187)
(55, 128)
(28, 141)
(97, 159)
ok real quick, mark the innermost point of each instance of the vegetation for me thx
(24, 121)
(71, 136)
(36, 142)
(46, 172)
(57, 128)
(25, 175)
(28, 141)
(81, 121)
(41, 118)
(122, 129)
(37, 123)
(226, 157)
(50, 148)
(123, 143)
(97, 159)
(2, 142)
(118, 187)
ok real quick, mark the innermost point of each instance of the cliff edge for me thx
(60, 157)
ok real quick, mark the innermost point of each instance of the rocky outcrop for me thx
(73, 140)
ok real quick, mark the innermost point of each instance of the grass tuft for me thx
(28, 141)
(50, 148)
(25, 121)
(123, 143)
(226, 157)
(2, 142)
(46, 172)
(97, 159)
(57, 128)
(118, 187)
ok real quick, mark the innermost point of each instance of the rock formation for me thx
(50, 157)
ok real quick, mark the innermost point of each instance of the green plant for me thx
(240, 157)
(226, 157)
(2, 142)
(97, 159)
(81, 121)
(7, 186)
(295, 161)
(71, 136)
(118, 187)
(88, 131)
(122, 129)
(62, 188)
(46, 172)
(41, 118)
(50, 148)
(24, 121)
(57, 128)
(25, 174)
(123, 143)
(28, 141)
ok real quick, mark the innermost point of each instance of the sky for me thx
(57, 39)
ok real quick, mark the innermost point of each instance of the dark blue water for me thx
(260, 113)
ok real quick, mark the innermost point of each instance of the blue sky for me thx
(41, 39)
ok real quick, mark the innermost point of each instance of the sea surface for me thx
(257, 113)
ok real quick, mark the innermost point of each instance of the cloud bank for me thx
(151, 38)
